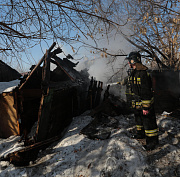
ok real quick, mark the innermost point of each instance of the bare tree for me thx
(25, 23)
(154, 29)
(152, 26)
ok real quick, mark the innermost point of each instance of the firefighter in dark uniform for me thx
(142, 102)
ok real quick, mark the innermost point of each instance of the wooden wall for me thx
(8, 116)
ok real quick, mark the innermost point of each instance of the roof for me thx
(65, 70)
(7, 73)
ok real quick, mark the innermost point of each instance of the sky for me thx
(32, 56)
(88, 58)
(97, 65)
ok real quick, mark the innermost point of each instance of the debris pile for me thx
(103, 117)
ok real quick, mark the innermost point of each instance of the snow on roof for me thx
(8, 86)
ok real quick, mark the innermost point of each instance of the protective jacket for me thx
(141, 86)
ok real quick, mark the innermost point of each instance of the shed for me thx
(49, 97)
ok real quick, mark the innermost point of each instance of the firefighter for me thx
(142, 101)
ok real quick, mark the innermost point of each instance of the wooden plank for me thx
(40, 62)
(44, 117)
(68, 71)
(46, 73)
(9, 123)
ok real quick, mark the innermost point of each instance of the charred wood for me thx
(94, 91)
(89, 95)
(106, 93)
(24, 156)
(112, 106)
(98, 94)
(38, 65)
(100, 127)
(46, 74)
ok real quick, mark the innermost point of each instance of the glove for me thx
(145, 112)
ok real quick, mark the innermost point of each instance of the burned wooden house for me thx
(50, 97)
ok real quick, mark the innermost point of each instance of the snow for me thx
(75, 155)
(8, 86)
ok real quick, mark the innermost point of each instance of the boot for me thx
(139, 135)
(151, 143)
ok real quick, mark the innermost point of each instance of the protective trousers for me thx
(147, 127)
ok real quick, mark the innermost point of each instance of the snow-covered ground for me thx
(76, 155)
(119, 156)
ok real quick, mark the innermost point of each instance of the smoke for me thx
(100, 70)
(108, 68)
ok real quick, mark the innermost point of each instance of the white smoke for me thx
(106, 69)
(100, 70)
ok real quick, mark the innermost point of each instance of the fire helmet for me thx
(134, 57)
